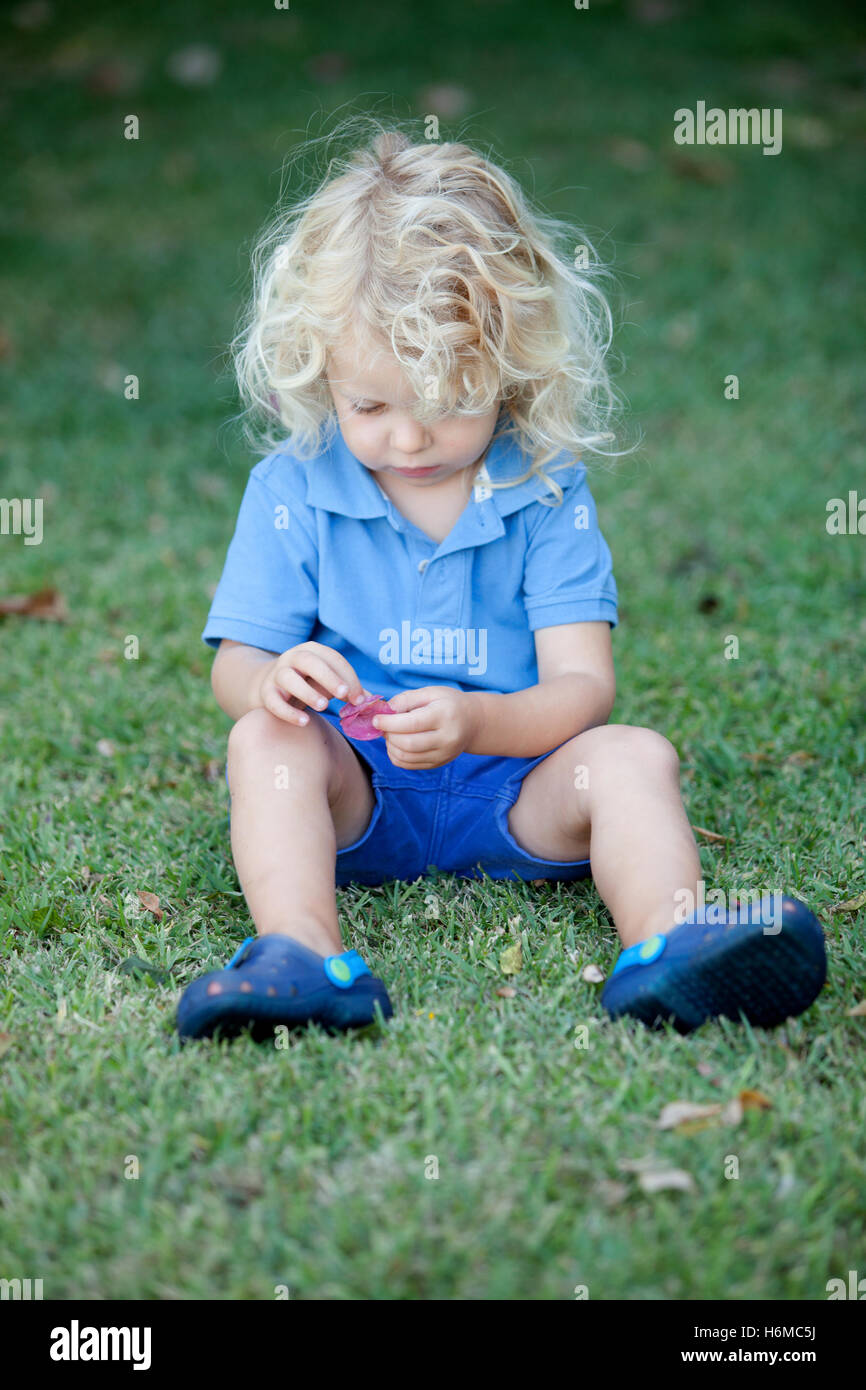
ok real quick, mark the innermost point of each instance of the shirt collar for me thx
(338, 482)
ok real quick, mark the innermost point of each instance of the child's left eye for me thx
(368, 410)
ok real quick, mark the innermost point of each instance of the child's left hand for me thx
(432, 726)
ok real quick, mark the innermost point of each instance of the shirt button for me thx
(422, 565)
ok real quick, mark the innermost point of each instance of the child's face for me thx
(374, 407)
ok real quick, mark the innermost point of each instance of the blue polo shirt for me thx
(321, 554)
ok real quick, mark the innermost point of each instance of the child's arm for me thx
(576, 691)
(236, 676)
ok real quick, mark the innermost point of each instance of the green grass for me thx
(305, 1167)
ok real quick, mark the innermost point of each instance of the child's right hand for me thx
(310, 674)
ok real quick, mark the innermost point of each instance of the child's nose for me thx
(409, 436)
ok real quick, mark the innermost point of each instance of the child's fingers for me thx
(329, 668)
(292, 683)
(277, 704)
(414, 743)
(415, 721)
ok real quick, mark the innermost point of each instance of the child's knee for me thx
(258, 732)
(631, 746)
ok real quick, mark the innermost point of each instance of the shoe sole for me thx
(764, 978)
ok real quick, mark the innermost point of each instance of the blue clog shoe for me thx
(273, 980)
(744, 962)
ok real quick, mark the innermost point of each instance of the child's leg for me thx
(612, 795)
(297, 795)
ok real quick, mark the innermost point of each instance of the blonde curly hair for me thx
(434, 251)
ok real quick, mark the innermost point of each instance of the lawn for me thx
(130, 1168)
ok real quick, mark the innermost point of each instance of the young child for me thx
(422, 530)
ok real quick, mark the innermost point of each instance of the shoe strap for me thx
(642, 952)
(344, 969)
(240, 953)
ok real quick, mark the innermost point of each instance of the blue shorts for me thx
(452, 818)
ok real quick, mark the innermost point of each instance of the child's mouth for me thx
(417, 472)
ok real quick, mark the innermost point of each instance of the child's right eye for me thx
(367, 410)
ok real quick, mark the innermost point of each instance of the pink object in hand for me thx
(355, 719)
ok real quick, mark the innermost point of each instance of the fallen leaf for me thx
(754, 1100)
(593, 975)
(212, 770)
(732, 1112)
(851, 904)
(61, 1010)
(680, 1112)
(858, 1011)
(690, 1118)
(151, 902)
(710, 834)
(44, 603)
(511, 960)
(6, 1041)
(676, 1179)
(105, 747)
(800, 757)
(506, 992)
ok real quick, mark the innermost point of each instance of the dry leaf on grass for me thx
(858, 1011)
(851, 904)
(709, 834)
(506, 992)
(678, 1113)
(689, 1118)
(754, 1100)
(105, 747)
(676, 1179)
(151, 902)
(511, 960)
(654, 1176)
(45, 603)
(592, 975)
(6, 1041)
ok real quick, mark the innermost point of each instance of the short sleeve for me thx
(267, 595)
(568, 573)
